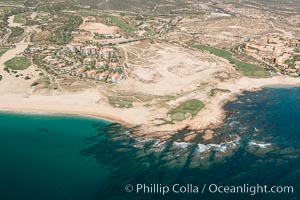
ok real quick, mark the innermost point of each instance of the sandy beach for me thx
(87, 104)
(152, 69)
(84, 103)
(16, 94)
(212, 115)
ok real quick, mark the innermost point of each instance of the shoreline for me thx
(281, 86)
(58, 114)
(215, 113)
(255, 88)
(46, 112)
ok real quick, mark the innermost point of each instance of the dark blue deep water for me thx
(71, 158)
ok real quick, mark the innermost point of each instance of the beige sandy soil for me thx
(100, 28)
(94, 27)
(17, 95)
(213, 113)
(164, 69)
(164, 73)
(84, 103)
(11, 22)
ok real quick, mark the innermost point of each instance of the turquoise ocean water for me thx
(71, 158)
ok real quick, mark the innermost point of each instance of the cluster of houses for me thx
(100, 76)
(82, 60)
(105, 53)
(276, 50)
(106, 36)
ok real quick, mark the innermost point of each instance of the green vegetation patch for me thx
(191, 107)
(12, 2)
(18, 63)
(63, 35)
(214, 91)
(120, 103)
(187, 12)
(42, 82)
(34, 84)
(121, 23)
(178, 116)
(246, 69)
(297, 50)
(3, 50)
(16, 32)
(291, 62)
(164, 122)
(20, 19)
(6, 8)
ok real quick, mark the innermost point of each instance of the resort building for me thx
(106, 53)
(74, 46)
(81, 70)
(89, 50)
(100, 64)
(275, 49)
(114, 66)
(102, 76)
(114, 78)
(91, 73)
(88, 61)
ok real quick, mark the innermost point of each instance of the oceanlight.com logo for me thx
(207, 188)
(250, 189)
